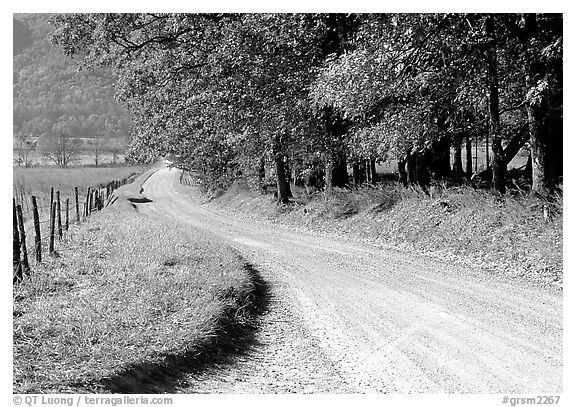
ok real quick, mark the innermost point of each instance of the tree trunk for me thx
(421, 173)
(545, 142)
(457, 167)
(281, 181)
(328, 173)
(527, 173)
(262, 173)
(336, 160)
(402, 175)
(368, 172)
(287, 175)
(498, 165)
(373, 176)
(516, 143)
(538, 152)
(362, 172)
(510, 151)
(16, 266)
(544, 104)
(340, 170)
(438, 158)
(468, 158)
(411, 167)
(356, 173)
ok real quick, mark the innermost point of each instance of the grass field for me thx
(127, 293)
(38, 181)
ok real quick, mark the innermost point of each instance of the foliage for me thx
(48, 87)
(222, 91)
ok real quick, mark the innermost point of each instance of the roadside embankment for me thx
(516, 236)
(129, 303)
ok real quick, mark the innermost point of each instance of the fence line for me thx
(96, 199)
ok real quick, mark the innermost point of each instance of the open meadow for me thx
(39, 180)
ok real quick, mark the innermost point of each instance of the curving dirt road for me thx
(346, 317)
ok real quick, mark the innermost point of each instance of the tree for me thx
(538, 39)
(25, 147)
(400, 87)
(60, 145)
(498, 165)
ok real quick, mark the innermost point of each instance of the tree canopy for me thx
(226, 92)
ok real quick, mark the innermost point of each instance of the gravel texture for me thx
(350, 317)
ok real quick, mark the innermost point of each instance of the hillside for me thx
(49, 90)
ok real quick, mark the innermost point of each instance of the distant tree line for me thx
(317, 94)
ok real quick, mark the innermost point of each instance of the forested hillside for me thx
(52, 97)
(323, 97)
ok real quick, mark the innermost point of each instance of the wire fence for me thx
(37, 235)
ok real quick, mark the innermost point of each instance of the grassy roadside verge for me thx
(508, 236)
(128, 294)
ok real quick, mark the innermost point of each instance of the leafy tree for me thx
(537, 39)
(219, 89)
(61, 146)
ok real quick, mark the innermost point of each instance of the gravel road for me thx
(347, 317)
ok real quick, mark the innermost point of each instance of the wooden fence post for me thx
(90, 202)
(87, 202)
(52, 224)
(67, 213)
(38, 239)
(77, 205)
(51, 203)
(59, 210)
(23, 250)
(96, 200)
(16, 266)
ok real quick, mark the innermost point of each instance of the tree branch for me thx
(515, 107)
